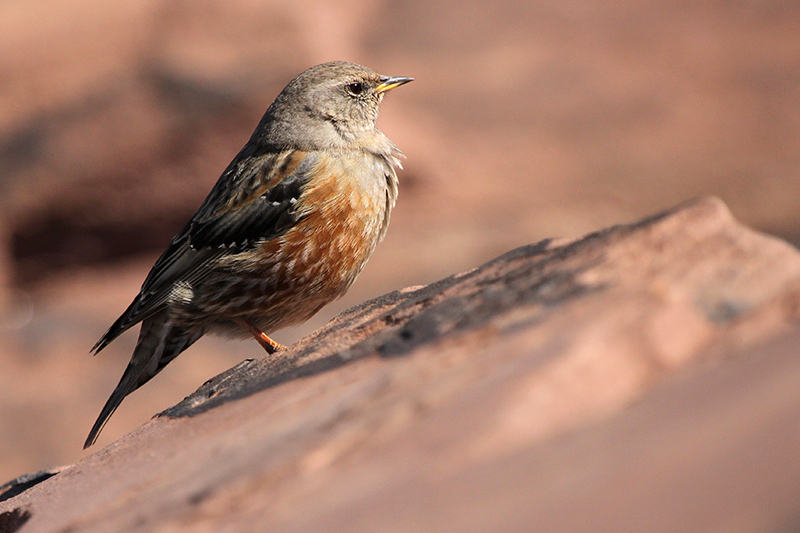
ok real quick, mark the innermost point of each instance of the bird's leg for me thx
(263, 339)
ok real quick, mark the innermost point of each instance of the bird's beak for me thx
(389, 83)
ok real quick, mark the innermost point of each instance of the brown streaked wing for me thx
(248, 179)
(252, 201)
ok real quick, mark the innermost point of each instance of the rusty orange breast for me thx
(341, 213)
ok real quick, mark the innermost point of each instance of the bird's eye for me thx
(355, 88)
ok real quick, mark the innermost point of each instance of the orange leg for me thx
(268, 344)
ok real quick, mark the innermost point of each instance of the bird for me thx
(286, 229)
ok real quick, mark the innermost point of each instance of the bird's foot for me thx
(263, 339)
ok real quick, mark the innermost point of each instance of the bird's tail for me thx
(160, 341)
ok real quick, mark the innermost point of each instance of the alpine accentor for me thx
(285, 230)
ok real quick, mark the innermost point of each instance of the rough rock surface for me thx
(527, 120)
(644, 377)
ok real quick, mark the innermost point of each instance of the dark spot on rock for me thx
(198, 497)
(12, 521)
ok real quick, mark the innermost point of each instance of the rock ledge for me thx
(649, 367)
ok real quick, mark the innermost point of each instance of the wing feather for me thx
(252, 201)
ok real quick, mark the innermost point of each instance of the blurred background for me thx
(528, 119)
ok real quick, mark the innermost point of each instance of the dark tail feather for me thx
(159, 343)
(126, 320)
(126, 386)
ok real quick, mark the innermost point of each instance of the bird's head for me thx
(332, 105)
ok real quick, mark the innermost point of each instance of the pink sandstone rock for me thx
(644, 377)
